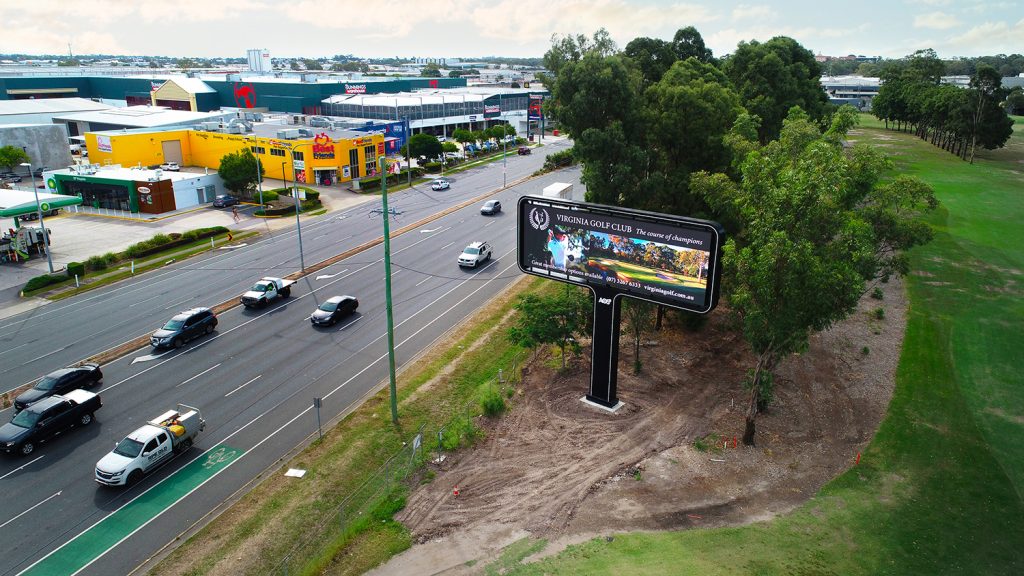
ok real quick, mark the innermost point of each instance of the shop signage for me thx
(472, 117)
(299, 164)
(380, 149)
(492, 109)
(355, 88)
(143, 190)
(103, 143)
(45, 206)
(51, 184)
(323, 147)
(362, 141)
(346, 171)
(245, 95)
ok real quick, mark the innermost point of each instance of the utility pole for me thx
(382, 168)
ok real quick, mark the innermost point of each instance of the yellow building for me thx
(326, 158)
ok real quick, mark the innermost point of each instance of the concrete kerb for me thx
(119, 350)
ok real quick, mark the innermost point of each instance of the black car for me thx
(332, 309)
(46, 419)
(491, 207)
(224, 200)
(10, 177)
(183, 327)
(524, 151)
(60, 381)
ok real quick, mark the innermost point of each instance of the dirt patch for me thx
(559, 469)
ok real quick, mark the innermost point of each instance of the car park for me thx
(225, 200)
(183, 327)
(440, 184)
(474, 254)
(490, 208)
(333, 309)
(170, 167)
(60, 381)
(524, 151)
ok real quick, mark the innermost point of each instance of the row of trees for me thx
(752, 143)
(428, 146)
(912, 98)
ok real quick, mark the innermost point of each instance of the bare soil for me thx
(559, 469)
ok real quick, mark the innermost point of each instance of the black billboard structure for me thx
(616, 253)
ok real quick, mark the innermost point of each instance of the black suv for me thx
(60, 381)
(183, 327)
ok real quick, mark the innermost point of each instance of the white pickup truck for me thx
(266, 290)
(150, 446)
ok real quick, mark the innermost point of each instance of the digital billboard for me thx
(670, 260)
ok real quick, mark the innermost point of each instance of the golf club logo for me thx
(539, 219)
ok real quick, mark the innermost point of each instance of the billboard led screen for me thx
(663, 258)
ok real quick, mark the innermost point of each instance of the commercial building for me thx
(45, 144)
(322, 156)
(43, 111)
(132, 117)
(134, 189)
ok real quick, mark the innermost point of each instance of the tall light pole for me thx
(381, 167)
(504, 156)
(39, 212)
(295, 197)
(259, 169)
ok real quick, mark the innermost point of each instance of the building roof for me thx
(192, 85)
(50, 106)
(118, 172)
(143, 116)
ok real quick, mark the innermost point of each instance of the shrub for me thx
(43, 281)
(268, 196)
(877, 293)
(432, 167)
(879, 313)
(460, 431)
(110, 258)
(76, 268)
(175, 235)
(159, 240)
(312, 195)
(95, 263)
(491, 400)
(560, 159)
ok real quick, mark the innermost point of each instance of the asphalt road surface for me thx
(254, 378)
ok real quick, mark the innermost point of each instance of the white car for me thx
(440, 184)
(474, 254)
(170, 167)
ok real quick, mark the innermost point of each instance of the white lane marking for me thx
(422, 281)
(447, 245)
(25, 465)
(15, 348)
(233, 246)
(425, 231)
(350, 323)
(325, 276)
(177, 303)
(489, 223)
(43, 501)
(45, 355)
(149, 357)
(243, 385)
(198, 375)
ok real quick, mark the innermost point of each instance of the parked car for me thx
(61, 381)
(170, 167)
(490, 208)
(524, 151)
(35, 215)
(474, 254)
(333, 309)
(224, 200)
(10, 177)
(442, 139)
(183, 327)
(48, 418)
(440, 184)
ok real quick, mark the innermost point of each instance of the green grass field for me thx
(939, 489)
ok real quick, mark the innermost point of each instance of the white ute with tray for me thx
(147, 448)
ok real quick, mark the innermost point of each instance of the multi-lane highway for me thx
(254, 378)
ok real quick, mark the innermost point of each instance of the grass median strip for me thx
(94, 542)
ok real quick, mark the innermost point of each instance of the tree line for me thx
(751, 142)
(912, 98)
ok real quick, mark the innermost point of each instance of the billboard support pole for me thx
(604, 357)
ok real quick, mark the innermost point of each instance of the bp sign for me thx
(618, 253)
(45, 206)
(51, 184)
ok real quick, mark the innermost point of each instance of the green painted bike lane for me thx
(106, 533)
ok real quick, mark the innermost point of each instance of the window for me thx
(370, 155)
(161, 438)
(276, 152)
(297, 156)
(150, 446)
(258, 149)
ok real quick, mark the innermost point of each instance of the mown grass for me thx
(938, 491)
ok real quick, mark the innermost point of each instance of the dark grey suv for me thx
(184, 327)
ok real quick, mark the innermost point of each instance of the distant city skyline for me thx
(511, 28)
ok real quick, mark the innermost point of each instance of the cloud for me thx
(931, 2)
(725, 41)
(988, 38)
(749, 12)
(936, 21)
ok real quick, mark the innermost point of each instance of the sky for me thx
(514, 28)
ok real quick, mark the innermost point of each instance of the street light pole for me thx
(381, 166)
(504, 156)
(295, 198)
(39, 212)
(259, 170)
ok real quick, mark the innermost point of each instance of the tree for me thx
(652, 56)
(312, 64)
(238, 171)
(430, 70)
(639, 319)
(424, 146)
(1015, 101)
(816, 226)
(688, 43)
(773, 77)
(186, 63)
(551, 319)
(462, 136)
(990, 126)
(571, 49)
(11, 156)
